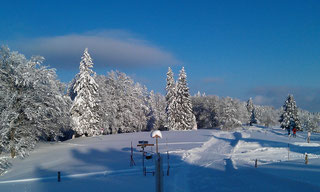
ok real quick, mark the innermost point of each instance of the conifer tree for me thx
(253, 119)
(185, 118)
(249, 105)
(289, 118)
(84, 110)
(171, 101)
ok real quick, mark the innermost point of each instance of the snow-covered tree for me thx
(206, 109)
(185, 118)
(4, 165)
(171, 100)
(228, 116)
(70, 90)
(104, 103)
(312, 123)
(267, 115)
(33, 105)
(157, 116)
(309, 121)
(198, 94)
(84, 109)
(289, 118)
(249, 105)
(124, 103)
(253, 119)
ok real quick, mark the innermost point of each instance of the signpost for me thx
(159, 172)
(156, 134)
(144, 144)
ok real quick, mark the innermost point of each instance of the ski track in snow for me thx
(215, 153)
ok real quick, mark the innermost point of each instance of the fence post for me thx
(306, 158)
(288, 152)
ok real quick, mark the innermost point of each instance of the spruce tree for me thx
(185, 118)
(253, 119)
(249, 105)
(84, 110)
(289, 118)
(171, 101)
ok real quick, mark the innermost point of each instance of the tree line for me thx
(36, 107)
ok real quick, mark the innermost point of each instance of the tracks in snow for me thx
(215, 151)
(216, 154)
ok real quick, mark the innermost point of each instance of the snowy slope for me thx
(203, 160)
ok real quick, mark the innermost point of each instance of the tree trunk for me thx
(12, 149)
(13, 152)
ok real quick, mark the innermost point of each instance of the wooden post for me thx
(256, 163)
(159, 174)
(288, 149)
(168, 159)
(157, 150)
(168, 168)
(143, 168)
(132, 163)
(59, 176)
(156, 134)
(306, 158)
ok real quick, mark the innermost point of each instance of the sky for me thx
(262, 49)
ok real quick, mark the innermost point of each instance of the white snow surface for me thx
(202, 160)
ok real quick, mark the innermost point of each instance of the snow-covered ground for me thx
(203, 160)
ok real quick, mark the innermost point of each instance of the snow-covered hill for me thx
(203, 160)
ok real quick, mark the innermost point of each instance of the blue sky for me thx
(259, 49)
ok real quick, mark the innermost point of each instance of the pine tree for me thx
(84, 110)
(253, 119)
(171, 101)
(289, 118)
(249, 105)
(185, 118)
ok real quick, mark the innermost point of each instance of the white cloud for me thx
(114, 48)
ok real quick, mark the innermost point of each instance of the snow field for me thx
(203, 160)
